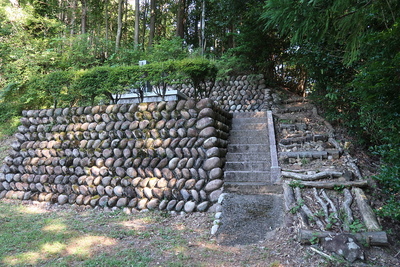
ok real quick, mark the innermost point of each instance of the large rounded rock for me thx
(153, 204)
(213, 152)
(213, 185)
(202, 206)
(62, 199)
(206, 112)
(215, 195)
(211, 163)
(103, 201)
(211, 142)
(204, 103)
(142, 204)
(173, 163)
(179, 205)
(171, 205)
(216, 173)
(118, 191)
(122, 202)
(189, 206)
(208, 132)
(204, 122)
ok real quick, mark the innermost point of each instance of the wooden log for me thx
(366, 211)
(335, 144)
(305, 154)
(303, 139)
(304, 236)
(323, 204)
(331, 185)
(348, 199)
(352, 164)
(331, 204)
(288, 196)
(306, 210)
(290, 146)
(289, 204)
(311, 177)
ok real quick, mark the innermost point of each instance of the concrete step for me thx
(256, 188)
(248, 166)
(248, 138)
(260, 114)
(248, 148)
(249, 120)
(249, 126)
(241, 157)
(246, 176)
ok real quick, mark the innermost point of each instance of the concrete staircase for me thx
(253, 204)
(248, 165)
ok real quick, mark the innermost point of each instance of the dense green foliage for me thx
(351, 54)
(105, 84)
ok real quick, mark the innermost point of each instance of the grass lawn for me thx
(36, 235)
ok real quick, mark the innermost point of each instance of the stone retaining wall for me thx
(166, 155)
(238, 94)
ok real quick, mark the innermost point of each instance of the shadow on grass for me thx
(42, 235)
(31, 235)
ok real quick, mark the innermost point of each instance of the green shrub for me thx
(200, 71)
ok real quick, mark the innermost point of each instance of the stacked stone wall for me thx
(238, 93)
(165, 155)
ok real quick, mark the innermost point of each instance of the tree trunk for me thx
(137, 23)
(202, 27)
(106, 18)
(145, 5)
(73, 17)
(84, 17)
(181, 19)
(119, 24)
(152, 22)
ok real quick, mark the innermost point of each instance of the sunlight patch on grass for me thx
(84, 246)
(55, 227)
(53, 248)
(134, 224)
(31, 209)
(28, 258)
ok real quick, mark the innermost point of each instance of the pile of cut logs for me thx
(321, 180)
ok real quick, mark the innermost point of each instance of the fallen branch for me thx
(305, 236)
(307, 211)
(366, 211)
(332, 185)
(311, 177)
(348, 199)
(322, 253)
